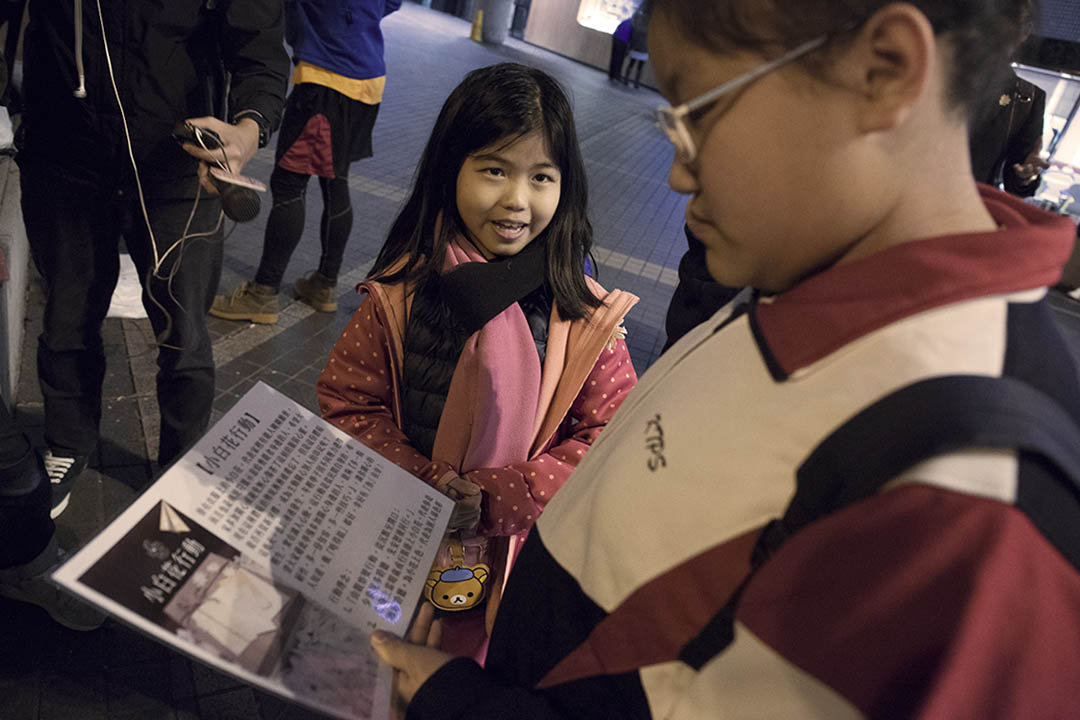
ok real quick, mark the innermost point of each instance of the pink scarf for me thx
(490, 414)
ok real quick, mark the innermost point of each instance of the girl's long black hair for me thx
(496, 104)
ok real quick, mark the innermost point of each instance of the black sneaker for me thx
(30, 583)
(63, 471)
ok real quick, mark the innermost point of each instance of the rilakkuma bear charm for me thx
(457, 586)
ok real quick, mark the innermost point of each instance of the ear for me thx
(892, 63)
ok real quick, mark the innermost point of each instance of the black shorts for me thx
(322, 131)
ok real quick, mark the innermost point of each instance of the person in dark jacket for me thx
(102, 96)
(1006, 140)
(697, 296)
(1005, 147)
(28, 547)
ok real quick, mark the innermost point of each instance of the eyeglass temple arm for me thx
(742, 80)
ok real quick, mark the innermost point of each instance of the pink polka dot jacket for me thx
(581, 388)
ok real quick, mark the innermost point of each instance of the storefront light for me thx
(604, 15)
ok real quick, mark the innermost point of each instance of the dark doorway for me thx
(454, 7)
(521, 16)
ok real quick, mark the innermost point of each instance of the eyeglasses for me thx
(673, 120)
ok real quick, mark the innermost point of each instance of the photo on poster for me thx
(178, 575)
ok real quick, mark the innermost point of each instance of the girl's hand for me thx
(467, 498)
(416, 660)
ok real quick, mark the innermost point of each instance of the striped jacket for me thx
(939, 597)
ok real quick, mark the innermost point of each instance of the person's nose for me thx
(681, 179)
(515, 195)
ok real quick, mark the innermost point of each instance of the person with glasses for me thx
(923, 566)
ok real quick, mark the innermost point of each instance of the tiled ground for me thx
(47, 672)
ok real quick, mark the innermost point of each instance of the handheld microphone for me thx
(239, 200)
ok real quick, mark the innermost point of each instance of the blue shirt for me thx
(342, 36)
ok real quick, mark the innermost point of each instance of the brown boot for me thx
(250, 301)
(317, 291)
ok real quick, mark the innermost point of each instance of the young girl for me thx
(484, 360)
(950, 592)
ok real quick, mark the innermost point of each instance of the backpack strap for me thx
(918, 422)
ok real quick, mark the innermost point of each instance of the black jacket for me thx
(639, 32)
(697, 296)
(167, 58)
(1007, 134)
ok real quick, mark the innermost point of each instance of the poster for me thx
(271, 550)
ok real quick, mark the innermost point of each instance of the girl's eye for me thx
(543, 178)
(496, 171)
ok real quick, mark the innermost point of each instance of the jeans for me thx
(74, 231)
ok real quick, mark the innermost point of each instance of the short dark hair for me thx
(500, 103)
(982, 33)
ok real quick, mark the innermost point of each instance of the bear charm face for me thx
(457, 588)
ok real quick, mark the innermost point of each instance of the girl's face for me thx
(776, 190)
(507, 194)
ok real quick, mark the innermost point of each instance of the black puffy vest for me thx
(432, 347)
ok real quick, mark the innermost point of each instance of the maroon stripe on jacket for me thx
(831, 309)
(652, 625)
(925, 603)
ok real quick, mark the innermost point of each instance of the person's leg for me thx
(618, 56)
(177, 296)
(284, 226)
(351, 124)
(73, 234)
(256, 301)
(302, 143)
(28, 549)
(12, 14)
(629, 69)
(25, 525)
(637, 75)
(319, 287)
(337, 220)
